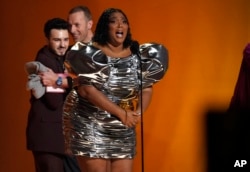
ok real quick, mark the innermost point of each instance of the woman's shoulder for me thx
(154, 59)
(83, 46)
(85, 58)
(153, 47)
(82, 50)
(155, 51)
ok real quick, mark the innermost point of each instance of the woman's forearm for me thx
(146, 99)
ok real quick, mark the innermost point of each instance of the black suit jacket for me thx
(44, 127)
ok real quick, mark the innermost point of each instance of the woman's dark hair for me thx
(55, 23)
(101, 35)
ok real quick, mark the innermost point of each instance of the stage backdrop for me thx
(205, 39)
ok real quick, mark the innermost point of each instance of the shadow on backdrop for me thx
(228, 140)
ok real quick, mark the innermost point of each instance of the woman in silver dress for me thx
(113, 75)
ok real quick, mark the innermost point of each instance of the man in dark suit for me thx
(44, 128)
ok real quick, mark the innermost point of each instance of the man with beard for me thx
(44, 129)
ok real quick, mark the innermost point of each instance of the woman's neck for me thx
(115, 51)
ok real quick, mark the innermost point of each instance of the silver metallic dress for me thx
(92, 132)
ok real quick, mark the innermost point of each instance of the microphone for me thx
(134, 48)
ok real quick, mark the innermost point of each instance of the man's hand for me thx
(49, 78)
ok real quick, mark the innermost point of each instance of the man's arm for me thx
(49, 78)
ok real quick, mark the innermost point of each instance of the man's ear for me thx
(90, 24)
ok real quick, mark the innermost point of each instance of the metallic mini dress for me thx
(89, 130)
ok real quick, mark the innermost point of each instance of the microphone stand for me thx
(135, 49)
(142, 135)
(142, 132)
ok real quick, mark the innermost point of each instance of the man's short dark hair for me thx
(55, 23)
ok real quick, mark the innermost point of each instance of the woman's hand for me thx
(131, 118)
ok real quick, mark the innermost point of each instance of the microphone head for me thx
(134, 47)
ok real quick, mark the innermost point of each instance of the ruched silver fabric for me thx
(92, 132)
